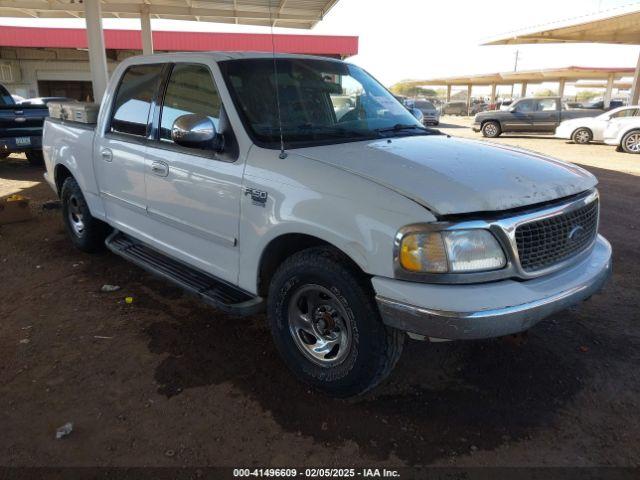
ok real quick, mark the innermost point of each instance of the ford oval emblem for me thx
(576, 233)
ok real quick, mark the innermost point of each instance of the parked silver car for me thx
(431, 114)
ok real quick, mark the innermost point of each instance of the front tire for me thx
(631, 142)
(35, 158)
(491, 129)
(582, 136)
(86, 232)
(326, 326)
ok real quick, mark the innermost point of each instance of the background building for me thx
(55, 61)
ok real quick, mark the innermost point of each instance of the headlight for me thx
(451, 251)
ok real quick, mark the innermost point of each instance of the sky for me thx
(419, 39)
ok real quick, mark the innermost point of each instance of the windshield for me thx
(321, 102)
(5, 97)
(424, 105)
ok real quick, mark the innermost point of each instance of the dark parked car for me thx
(454, 108)
(21, 128)
(478, 107)
(599, 105)
(533, 114)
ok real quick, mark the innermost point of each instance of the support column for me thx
(608, 91)
(493, 93)
(635, 90)
(561, 84)
(448, 93)
(468, 99)
(523, 89)
(145, 30)
(97, 54)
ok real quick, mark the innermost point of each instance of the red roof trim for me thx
(34, 37)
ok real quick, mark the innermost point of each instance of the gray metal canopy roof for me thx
(617, 26)
(279, 13)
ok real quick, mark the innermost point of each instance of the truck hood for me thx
(453, 175)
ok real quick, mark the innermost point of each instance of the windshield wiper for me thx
(310, 127)
(400, 127)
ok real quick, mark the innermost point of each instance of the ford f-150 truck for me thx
(531, 114)
(230, 175)
(21, 128)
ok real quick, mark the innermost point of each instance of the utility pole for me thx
(515, 69)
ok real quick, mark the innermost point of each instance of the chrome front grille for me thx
(549, 241)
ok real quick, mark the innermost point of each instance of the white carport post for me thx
(448, 93)
(608, 92)
(469, 98)
(523, 89)
(97, 54)
(561, 84)
(493, 93)
(145, 27)
(635, 90)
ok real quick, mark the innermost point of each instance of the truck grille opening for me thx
(543, 243)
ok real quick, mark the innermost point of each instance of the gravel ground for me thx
(168, 381)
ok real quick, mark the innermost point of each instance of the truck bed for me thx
(70, 145)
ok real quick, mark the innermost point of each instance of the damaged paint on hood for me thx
(453, 175)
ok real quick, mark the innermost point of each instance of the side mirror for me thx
(196, 130)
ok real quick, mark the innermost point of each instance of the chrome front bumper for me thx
(492, 309)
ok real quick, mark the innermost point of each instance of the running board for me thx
(218, 293)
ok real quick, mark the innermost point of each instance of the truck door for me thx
(119, 150)
(517, 119)
(545, 115)
(193, 195)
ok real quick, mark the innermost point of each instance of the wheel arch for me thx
(487, 120)
(285, 245)
(582, 127)
(627, 132)
(60, 174)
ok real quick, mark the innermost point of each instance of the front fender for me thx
(357, 216)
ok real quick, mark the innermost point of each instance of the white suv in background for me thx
(624, 133)
(591, 129)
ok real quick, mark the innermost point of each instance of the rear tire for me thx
(631, 142)
(326, 326)
(491, 129)
(582, 136)
(86, 232)
(35, 158)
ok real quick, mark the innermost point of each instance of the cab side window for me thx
(190, 90)
(524, 106)
(138, 87)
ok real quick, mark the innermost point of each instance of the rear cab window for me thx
(134, 96)
(546, 105)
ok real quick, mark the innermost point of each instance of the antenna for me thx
(283, 154)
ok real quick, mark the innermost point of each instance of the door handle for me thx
(107, 155)
(160, 168)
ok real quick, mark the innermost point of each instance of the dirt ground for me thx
(167, 381)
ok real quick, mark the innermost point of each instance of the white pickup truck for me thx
(235, 176)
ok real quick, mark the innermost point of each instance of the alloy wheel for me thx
(319, 325)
